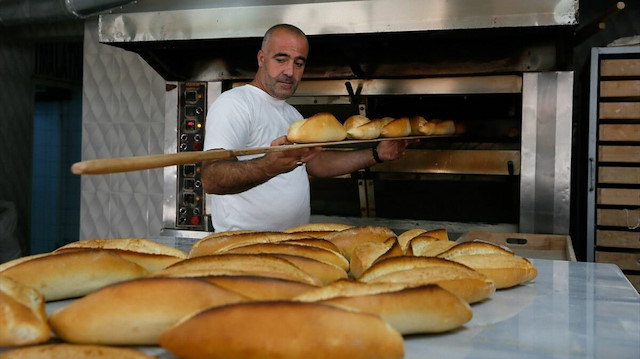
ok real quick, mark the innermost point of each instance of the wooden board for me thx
(624, 260)
(619, 132)
(618, 239)
(625, 218)
(619, 196)
(528, 245)
(622, 88)
(620, 67)
(621, 175)
(620, 110)
(629, 154)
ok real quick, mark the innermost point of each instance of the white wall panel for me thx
(123, 115)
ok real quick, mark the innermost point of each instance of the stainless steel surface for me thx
(423, 86)
(145, 21)
(31, 11)
(169, 204)
(214, 41)
(546, 152)
(483, 162)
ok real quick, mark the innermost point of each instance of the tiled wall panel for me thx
(123, 115)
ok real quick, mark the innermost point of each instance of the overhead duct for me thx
(20, 12)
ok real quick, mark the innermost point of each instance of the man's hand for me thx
(393, 149)
(285, 161)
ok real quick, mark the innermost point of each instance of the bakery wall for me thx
(16, 101)
(123, 103)
(40, 73)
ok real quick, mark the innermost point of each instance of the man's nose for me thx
(288, 68)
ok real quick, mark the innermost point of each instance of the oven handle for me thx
(592, 175)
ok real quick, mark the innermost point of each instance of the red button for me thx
(195, 220)
(197, 146)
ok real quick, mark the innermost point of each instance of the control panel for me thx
(192, 113)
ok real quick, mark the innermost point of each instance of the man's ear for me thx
(260, 57)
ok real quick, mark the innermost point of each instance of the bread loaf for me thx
(260, 288)
(429, 246)
(405, 237)
(13, 262)
(396, 264)
(230, 233)
(313, 234)
(23, 320)
(409, 310)
(325, 272)
(365, 254)
(63, 350)
(283, 330)
(324, 227)
(217, 244)
(438, 233)
(136, 312)
(474, 248)
(504, 270)
(139, 245)
(73, 274)
(470, 285)
(314, 242)
(439, 127)
(289, 247)
(361, 128)
(322, 127)
(417, 123)
(264, 265)
(400, 127)
(150, 255)
(348, 239)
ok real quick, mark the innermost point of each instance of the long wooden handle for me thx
(137, 163)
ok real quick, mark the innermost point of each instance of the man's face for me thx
(281, 64)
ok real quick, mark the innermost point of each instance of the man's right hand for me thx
(285, 161)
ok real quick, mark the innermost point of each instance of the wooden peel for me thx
(137, 163)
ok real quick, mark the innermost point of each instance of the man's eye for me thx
(299, 64)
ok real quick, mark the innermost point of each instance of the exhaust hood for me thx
(20, 12)
(218, 40)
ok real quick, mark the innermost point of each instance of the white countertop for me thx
(571, 310)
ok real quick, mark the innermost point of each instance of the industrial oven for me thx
(498, 68)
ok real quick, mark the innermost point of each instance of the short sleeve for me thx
(228, 123)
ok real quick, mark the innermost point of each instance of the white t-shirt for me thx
(247, 117)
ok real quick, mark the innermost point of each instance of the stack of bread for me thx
(343, 291)
(325, 127)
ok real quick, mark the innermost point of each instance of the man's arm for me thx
(336, 163)
(233, 176)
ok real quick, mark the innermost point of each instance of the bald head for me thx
(290, 29)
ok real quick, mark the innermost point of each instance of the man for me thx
(271, 191)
